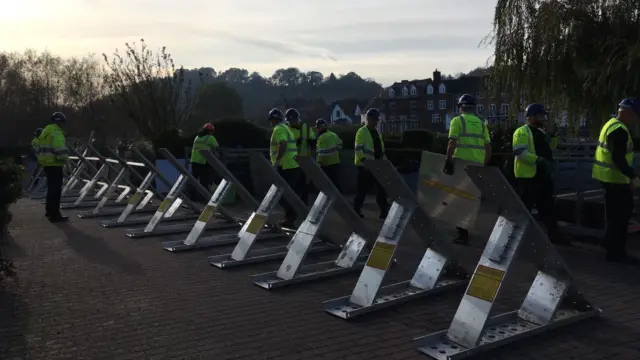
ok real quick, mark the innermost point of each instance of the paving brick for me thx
(85, 292)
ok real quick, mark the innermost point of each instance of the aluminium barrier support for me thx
(552, 300)
(195, 240)
(438, 270)
(169, 211)
(136, 200)
(242, 254)
(152, 228)
(88, 189)
(350, 259)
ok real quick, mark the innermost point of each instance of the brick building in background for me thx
(431, 103)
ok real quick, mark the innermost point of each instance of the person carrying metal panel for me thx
(305, 141)
(199, 167)
(469, 140)
(533, 167)
(53, 155)
(369, 145)
(283, 151)
(613, 168)
(328, 147)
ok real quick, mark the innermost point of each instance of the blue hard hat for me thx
(535, 109)
(467, 100)
(292, 114)
(632, 104)
(321, 122)
(373, 113)
(276, 114)
(58, 117)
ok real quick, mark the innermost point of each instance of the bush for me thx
(10, 190)
(347, 134)
(236, 132)
(417, 139)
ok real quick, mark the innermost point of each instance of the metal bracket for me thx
(438, 271)
(552, 300)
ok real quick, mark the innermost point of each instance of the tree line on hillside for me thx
(139, 93)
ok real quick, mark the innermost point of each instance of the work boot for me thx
(462, 238)
(359, 212)
(58, 218)
(287, 224)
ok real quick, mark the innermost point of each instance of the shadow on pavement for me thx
(94, 249)
(15, 315)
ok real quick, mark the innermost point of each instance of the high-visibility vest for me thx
(52, 148)
(603, 167)
(35, 145)
(328, 148)
(206, 142)
(524, 163)
(471, 138)
(281, 132)
(364, 146)
(302, 137)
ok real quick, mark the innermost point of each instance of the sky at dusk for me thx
(388, 40)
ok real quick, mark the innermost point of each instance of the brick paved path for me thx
(85, 292)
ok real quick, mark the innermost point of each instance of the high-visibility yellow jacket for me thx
(472, 134)
(603, 167)
(281, 133)
(35, 144)
(364, 146)
(328, 148)
(302, 137)
(52, 147)
(524, 149)
(206, 142)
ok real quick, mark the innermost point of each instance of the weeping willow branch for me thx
(575, 56)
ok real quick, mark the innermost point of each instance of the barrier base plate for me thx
(173, 229)
(115, 211)
(88, 204)
(262, 255)
(144, 219)
(215, 240)
(500, 330)
(390, 295)
(307, 273)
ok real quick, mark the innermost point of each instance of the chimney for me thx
(436, 77)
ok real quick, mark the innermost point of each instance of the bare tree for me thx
(147, 87)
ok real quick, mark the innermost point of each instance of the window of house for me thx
(492, 109)
(504, 109)
(413, 104)
(479, 95)
(338, 114)
(403, 117)
(442, 104)
(392, 117)
(405, 92)
(430, 105)
(442, 89)
(583, 123)
(480, 109)
(435, 118)
(392, 93)
(429, 89)
(414, 91)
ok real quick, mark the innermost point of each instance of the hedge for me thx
(10, 190)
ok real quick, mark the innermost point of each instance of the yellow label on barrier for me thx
(165, 205)
(135, 198)
(485, 283)
(450, 189)
(381, 256)
(207, 213)
(257, 221)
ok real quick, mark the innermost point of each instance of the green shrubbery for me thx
(10, 190)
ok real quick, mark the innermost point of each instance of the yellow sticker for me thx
(207, 213)
(135, 198)
(165, 205)
(450, 189)
(485, 283)
(381, 256)
(257, 221)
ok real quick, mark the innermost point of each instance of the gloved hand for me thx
(544, 166)
(448, 167)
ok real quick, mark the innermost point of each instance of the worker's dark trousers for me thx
(332, 172)
(54, 189)
(366, 181)
(204, 174)
(618, 203)
(537, 193)
(292, 177)
(302, 188)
